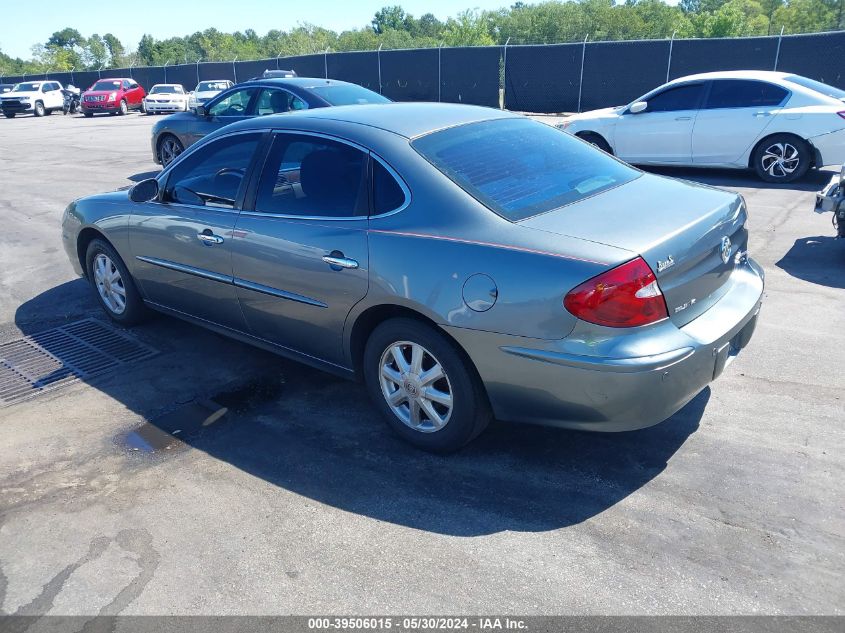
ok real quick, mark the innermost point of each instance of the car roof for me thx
(299, 82)
(762, 75)
(409, 120)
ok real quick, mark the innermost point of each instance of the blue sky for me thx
(26, 24)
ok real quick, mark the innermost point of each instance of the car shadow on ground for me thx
(318, 436)
(813, 180)
(819, 260)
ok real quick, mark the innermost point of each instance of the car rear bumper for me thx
(625, 381)
(830, 148)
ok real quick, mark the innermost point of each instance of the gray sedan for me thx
(464, 262)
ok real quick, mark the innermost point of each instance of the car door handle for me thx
(683, 118)
(340, 262)
(759, 114)
(208, 238)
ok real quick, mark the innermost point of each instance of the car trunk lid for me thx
(688, 234)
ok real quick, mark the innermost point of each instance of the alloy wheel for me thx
(779, 160)
(109, 284)
(415, 386)
(170, 149)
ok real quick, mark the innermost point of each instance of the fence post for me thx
(72, 68)
(504, 76)
(326, 62)
(100, 73)
(279, 54)
(235, 68)
(439, 71)
(165, 70)
(378, 57)
(669, 63)
(777, 52)
(199, 59)
(581, 80)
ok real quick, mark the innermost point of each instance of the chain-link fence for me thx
(540, 78)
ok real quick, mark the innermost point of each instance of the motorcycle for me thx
(832, 198)
(72, 103)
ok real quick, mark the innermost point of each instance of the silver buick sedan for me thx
(463, 262)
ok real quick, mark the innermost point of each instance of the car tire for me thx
(597, 140)
(39, 109)
(88, 115)
(461, 420)
(781, 158)
(123, 108)
(142, 108)
(169, 147)
(113, 285)
(9, 115)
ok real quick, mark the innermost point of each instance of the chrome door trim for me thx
(275, 292)
(183, 268)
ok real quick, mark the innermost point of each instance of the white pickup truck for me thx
(37, 97)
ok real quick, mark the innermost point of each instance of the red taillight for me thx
(625, 296)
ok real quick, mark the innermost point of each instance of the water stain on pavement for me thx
(170, 431)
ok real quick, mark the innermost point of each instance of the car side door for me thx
(181, 242)
(735, 114)
(225, 108)
(662, 133)
(300, 257)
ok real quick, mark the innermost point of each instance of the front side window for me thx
(736, 93)
(520, 168)
(312, 176)
(272, 101)
(214, 174)
(234, 104)
(685, 97)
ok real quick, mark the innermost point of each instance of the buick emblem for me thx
(725, 249)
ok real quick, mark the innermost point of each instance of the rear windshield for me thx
(520, 168)
(112, 84)
(812, 84)
(337, 94)
(205, 86)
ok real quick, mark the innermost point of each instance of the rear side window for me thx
(812, 84)
(313, 177)
(686, 97)
(735, 93)
(387, 193)
(520, 168)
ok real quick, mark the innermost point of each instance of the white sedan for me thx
(166, 98)
(205, 90)
(777, 124)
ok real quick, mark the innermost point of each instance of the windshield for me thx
(812, 84)
(205, 86)
(166, 90)
(112, 84)
(347, 94)
(520, 168)
(29, 86)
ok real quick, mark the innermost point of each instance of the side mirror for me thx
(144, 191)
(638, 106)
(200, 110)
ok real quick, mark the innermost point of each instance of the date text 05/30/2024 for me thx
(416, 624)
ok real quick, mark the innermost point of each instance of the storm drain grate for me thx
(76, 351)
